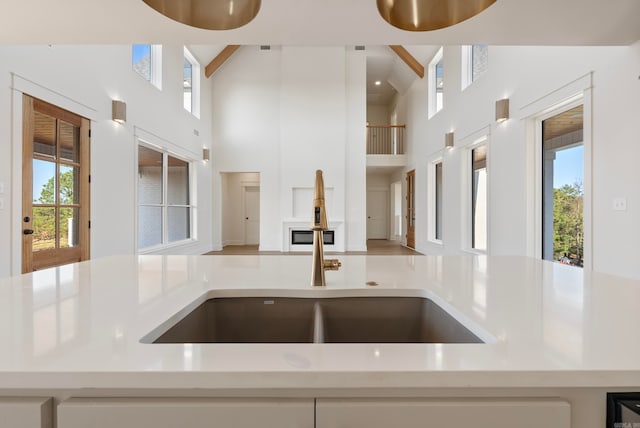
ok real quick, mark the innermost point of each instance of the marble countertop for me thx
(548, 325)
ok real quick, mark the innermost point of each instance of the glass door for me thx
(55, 196)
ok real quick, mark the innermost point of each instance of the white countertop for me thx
(79, 326)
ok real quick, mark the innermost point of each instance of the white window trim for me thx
(555, 110)
(432, 83)
(467, 66)
(195, 83)
(479, 138)
(577, 91)
(431, 192)
(155, 77)
(466, 61)
(156, 66)
(192, 200)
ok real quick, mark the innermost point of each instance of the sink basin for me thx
(390, 320)
(377, 319)
(245, 320)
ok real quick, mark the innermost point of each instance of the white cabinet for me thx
(26, 412)
(128, 412)
(445, 413)
(185, 413)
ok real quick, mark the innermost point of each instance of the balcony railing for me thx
(385, 140)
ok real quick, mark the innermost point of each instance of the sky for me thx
(139, 51)
(42, 172)
(568, 167)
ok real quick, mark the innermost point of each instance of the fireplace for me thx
(305, 237)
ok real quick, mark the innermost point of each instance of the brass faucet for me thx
(319, 225)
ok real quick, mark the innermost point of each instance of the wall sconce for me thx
(119, 111)
(502, 110)
(205, 154)
(448, 140)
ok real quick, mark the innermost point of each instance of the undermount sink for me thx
(378, 319)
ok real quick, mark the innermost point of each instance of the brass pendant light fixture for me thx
(208, 14)
(427, 15)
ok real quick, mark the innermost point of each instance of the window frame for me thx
(468, 144)
(155, 64)
(195, 83)
(467, 66)
(568, 104)
(164, 205)
(432, 189)
(472, 183)
(533, 114)
(432, 86)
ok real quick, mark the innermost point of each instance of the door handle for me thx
(28, 231)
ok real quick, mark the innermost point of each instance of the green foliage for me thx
(44, 218)
(568, 231)
(47, 194)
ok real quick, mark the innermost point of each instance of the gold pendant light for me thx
(208, 14)
(427, 15)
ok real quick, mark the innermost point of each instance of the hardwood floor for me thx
(374, 247)
(385, 247)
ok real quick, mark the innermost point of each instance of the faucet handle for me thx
(332, 264)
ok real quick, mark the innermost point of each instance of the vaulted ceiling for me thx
(326, 22)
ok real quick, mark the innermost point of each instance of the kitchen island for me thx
(557, 340)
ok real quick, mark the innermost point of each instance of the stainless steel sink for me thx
(379, 319)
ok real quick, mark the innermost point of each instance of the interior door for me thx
(377, 214)
(411, 212)
(55, 186)
(252, 215)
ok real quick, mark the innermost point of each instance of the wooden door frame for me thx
(29, 106)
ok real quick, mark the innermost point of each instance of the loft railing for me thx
(385, 140)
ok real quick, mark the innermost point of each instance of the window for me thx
(438, 201)
(562, 187)
(475, 61)
(191, 83)
(435, 201)
(164, 199)
(147, 62)
(436, 84)
(479, 198)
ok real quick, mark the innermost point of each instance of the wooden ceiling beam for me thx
(220, 59)
(408, 59)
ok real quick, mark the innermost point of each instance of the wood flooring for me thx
(374, 247)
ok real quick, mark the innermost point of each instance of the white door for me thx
(252, 215)
(377, 214)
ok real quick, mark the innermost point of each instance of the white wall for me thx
(85, 79)
(527, 75)
(378, 115)
(285, 113)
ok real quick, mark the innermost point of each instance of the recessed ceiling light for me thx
(378, 83)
